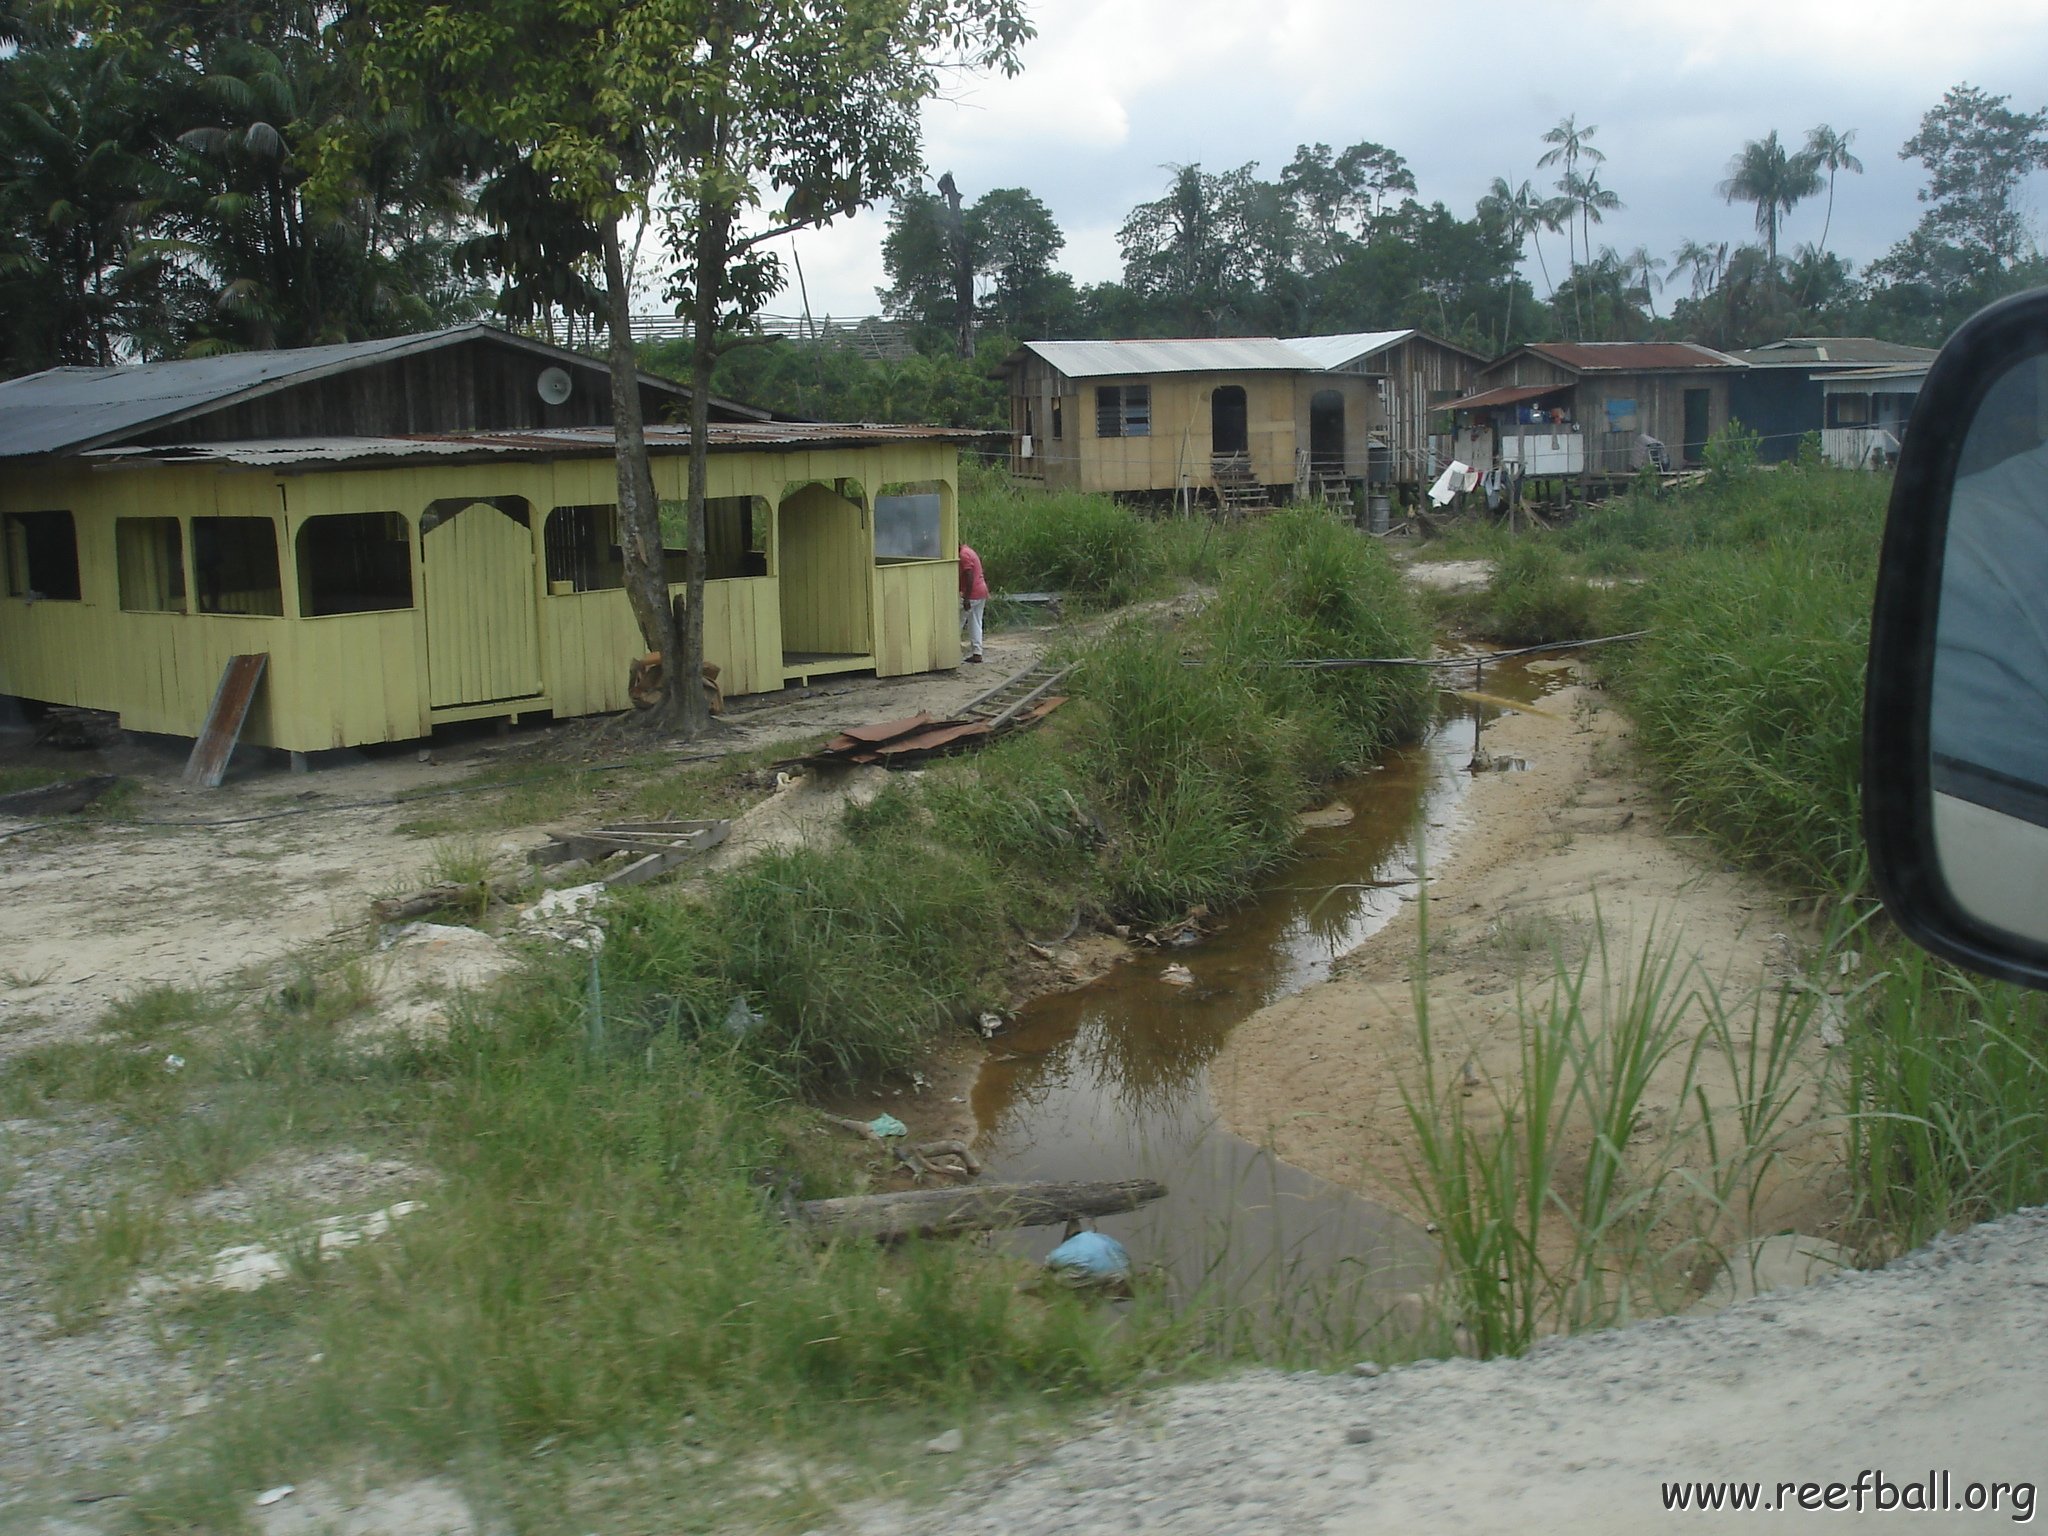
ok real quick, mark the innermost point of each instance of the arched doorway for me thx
(827, 581)
(1326, 433)
(482, 601)
(1227, 433)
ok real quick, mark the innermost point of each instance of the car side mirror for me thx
(1955, 713)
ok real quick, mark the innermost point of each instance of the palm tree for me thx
(1704, 260)
(1524, 216)
(1765, 175)
(1569, 144)
(1827, 150)
(1641, 269)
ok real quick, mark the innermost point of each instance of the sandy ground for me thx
(91, 912)
(1562, 856)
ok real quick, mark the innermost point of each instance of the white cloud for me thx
(1111, 92)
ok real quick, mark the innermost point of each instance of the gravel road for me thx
(1939, 1362)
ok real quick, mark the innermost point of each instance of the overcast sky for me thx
(1113, 90)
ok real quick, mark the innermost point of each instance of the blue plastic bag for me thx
(1089, 1258)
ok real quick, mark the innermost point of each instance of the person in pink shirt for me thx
(973, 598)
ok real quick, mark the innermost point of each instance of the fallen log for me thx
(449, 896)
(940, 1212)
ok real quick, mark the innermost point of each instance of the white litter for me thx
(568, 916)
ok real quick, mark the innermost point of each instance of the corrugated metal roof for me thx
(566, 442)
(1632, 356)
(1227, 354)
(69, 409)
(1512, 394)
(1336, 351)
(1833, 351)
(1890, 372)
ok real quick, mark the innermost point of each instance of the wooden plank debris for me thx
(651, 848)
(57, 799)
(231, 700)
(976, 1208)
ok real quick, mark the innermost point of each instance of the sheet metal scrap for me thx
(919, 738)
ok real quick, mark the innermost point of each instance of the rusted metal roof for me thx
(565, 442)
(1631, 356)
(1512, 394)
(66, 410)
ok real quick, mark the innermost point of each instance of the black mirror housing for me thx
(1955, 720)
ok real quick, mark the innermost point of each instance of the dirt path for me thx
(1935, 1365)
(1562, 856)
(95, 912)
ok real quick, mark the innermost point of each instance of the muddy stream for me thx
(1110, 1080)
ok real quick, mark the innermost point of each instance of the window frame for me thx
(22, 561)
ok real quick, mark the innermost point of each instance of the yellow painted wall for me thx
(827, 548)
(1180, 446)
(354, 679)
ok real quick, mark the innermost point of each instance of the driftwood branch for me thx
(441, 898)
(940, 1212)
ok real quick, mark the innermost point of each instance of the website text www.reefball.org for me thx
(1871, 1492)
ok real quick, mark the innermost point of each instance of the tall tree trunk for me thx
(713, 234)
(963, 268)
(639, 511)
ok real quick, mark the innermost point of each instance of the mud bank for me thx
(1564, 857)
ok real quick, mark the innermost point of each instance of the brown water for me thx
(1110, 1081)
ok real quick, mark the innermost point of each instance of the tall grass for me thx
(1307, 587)
(1568, 1205)
(1088, 546)
(603, 1253)
(1748, 700)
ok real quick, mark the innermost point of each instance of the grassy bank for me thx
(605, 1147)
(1748, 701)
(1098, 551)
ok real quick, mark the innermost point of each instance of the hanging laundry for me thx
(1452, 481)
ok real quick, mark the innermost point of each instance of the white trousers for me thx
(970, 623)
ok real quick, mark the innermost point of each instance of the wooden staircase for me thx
(1237, 489)
(1328, 482)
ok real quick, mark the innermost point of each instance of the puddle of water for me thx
(1110, 1081)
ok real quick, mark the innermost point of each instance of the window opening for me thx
(354, 562)
(735, 537)
(149, 560)
(1123, 410)
(908, 521)
(583, 553)
(235, 566)
(42, 556)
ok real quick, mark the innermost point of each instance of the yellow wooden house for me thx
(428, 546)
(1185, 417)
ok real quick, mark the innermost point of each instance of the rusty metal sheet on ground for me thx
(231, 700)
(887, 730)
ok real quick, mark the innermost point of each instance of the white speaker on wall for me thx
(554, 385)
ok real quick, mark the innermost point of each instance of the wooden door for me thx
(483, 621)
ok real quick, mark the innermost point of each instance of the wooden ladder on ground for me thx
(1015, 692)
(1237, 489)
